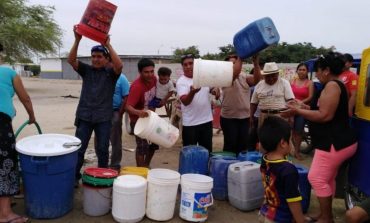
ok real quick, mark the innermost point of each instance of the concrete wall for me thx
(51, 68)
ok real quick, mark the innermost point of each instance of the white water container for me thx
(162, 192)
(97, 200)
(156, 130)
(245, 188)
(129, 198)
(212, 73)
(196, 197)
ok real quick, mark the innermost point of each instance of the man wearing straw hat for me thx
(270, 94)
(95, 108)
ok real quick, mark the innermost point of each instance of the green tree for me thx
(27, 30)
(178, 52)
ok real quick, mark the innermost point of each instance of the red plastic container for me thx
(96, 21)
(101, 172)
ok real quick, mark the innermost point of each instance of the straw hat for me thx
(270, 68)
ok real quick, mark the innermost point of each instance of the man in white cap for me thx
(270, 94)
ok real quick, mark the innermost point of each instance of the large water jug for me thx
(193, 159)
(218, 169)
(245, 188)
(255, 37)
(304, 186)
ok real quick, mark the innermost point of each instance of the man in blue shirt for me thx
(119, 101)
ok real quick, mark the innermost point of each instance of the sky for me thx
(151, 27)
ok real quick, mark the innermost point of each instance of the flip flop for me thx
(310, 219)
(14, 220)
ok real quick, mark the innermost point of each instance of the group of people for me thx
(106, 95)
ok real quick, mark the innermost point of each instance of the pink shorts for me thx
(324, 169)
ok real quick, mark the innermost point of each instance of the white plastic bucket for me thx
(129, 198)
(97, 201)
(156, 130)
(162, 191)
(212, 73)
(196, 197)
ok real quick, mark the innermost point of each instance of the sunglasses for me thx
(100, 48)
(187, 56)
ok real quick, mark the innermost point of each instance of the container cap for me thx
(101, 172)
(127, 183)
(48, 145)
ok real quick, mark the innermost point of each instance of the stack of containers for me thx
(245, 188)
(193, 159)
(97, 190)
(129, 198)
(162, 191)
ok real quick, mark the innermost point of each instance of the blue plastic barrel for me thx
(359, 167)
(255, 37)
(193, 159)
(218, 171)
(48, 163)
(304, 187)
(253, 156)
(48, 184)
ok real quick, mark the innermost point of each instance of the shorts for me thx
(154, 103)
(142, 145)
(298, 124)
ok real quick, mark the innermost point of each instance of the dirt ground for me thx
(56, 114)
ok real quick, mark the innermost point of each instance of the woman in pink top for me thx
(302, 88)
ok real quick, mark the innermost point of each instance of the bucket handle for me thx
(24, 125)
(207, 205)
(38, 161)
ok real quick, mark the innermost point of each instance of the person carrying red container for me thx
(95, 108)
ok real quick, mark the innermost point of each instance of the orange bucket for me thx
(96, 21)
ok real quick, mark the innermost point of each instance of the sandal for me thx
(310, 219)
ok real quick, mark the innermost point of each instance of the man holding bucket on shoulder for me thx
(95, 108)
(142, 91)
(196, 106)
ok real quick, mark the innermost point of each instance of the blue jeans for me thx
(102, 133)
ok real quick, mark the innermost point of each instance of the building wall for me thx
(51, 68)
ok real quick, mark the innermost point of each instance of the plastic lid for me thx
(101, 172)
(47, 145)
(100, 182)
(127, 183)
(164, 176)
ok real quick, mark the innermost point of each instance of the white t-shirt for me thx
(199, 111)
(163, 89)
(272, 96)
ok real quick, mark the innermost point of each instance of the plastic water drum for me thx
(157, 130)
(255, 37)
(97, 190)
(218, 171)
(193, 159)
(253, 156)
(304, 186)
(96, 21)
(129, 198)
(162, 192)
(48, 172)
(212, 73)
(245, 188)
(196, 197)
(133, 170)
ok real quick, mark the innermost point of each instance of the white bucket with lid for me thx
(156, 130)
(196, 197)
(212, 73)
(162, 192)
(129, 198)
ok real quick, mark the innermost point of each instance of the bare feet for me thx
(14, 219)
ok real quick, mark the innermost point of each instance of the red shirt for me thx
(140, 94)
(350, 81)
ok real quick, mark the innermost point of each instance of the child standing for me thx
(164, 88)
(280, 177)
